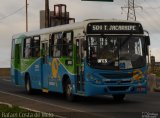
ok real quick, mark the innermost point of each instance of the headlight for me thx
(90, 77)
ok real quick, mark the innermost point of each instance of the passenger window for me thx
(67, 48)
(61, 45)
(36, 47)
(31, 47)
(55, 45)
(27, 48)
(13, 49)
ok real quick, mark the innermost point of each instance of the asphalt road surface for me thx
(134, 106)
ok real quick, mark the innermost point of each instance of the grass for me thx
(16, 112)
(158, 74)
(5, 108)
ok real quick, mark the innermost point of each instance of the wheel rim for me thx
(69, 90)
(28, 86)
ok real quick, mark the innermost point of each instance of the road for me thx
(99, 106)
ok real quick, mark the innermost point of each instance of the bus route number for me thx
(97, 27)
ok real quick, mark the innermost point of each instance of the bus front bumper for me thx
(97, 89)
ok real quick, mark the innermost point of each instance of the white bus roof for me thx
(72, 26)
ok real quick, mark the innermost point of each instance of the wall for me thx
(4, 72)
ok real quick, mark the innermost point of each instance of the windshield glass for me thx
(116, 52)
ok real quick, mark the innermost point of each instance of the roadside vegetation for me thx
(158, 74)
(5, 108)
(17, 112)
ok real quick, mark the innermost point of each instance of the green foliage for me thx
(158, 74)
(5, 108)
(16, 112)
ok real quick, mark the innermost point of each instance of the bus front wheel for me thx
(28, 87)
(119, 97)
(68, 91)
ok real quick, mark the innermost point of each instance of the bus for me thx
(89, 58)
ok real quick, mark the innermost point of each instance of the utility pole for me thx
(47, 13)
(131, 15)
(26, 16)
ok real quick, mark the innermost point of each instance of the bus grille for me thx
(119, 88)
(117, 76)
(118, 82)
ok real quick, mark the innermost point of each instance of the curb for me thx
(156, 89)
(4, 103)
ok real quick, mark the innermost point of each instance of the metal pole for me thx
(26, 16)
(131, 15)
(46, 13)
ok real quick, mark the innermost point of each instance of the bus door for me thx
(79, 66)
(44, 54)
(17, 63)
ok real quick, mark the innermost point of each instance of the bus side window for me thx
(55, 45)
(13, 49)
(67, 44)
(36, 46)
(27, 48)
(51, 45)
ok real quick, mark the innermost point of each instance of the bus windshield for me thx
(116, 52)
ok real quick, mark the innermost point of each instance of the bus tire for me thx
(119, 97)
(68, 91)
(28, 86)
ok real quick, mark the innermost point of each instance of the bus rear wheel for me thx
(68, 91)
(119, 97)
(28, 87)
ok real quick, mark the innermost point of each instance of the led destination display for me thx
(114, 28)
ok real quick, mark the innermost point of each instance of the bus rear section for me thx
(16, 60)
(116, 60)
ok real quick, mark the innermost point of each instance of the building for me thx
(155, 66)
(59, 16)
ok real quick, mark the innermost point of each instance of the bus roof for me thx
(65, 27)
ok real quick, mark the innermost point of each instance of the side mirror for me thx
(147, 38)
(147, 51)
(84, 45)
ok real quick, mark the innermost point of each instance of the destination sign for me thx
(114, 28)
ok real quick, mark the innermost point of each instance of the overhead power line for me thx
(12, 13)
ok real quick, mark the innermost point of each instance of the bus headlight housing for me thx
(91, 77)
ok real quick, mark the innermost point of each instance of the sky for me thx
(12, 18)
